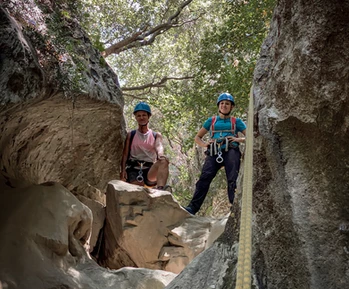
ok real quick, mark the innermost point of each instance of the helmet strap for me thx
(225, 114)
(142, 125)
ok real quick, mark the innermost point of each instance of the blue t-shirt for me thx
(222, 127)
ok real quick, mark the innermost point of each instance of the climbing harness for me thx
(130, 162)
(243, 278)
(215, 148)
(140, 173)
(142, 165)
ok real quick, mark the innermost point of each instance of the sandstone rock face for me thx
(302, 172)
(48, 131)
(44, 50)
(51, 140)
(61, 114)
(210, 269)
(301, 177)
(61, 119)
(45, 231)
(98, 218)
(147, 228)
(216, 266)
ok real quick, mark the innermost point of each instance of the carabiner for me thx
(140, 178)
(219, 159)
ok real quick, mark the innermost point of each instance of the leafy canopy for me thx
(200, 49)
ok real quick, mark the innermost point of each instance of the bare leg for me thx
(159, 172)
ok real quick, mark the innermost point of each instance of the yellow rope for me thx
(243, 279)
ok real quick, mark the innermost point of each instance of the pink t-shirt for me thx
(143, 147)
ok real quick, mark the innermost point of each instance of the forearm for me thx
(125, 153)
(200, 142)
(123, 164)
(237, 139)
(240, 139)
(123, 174)
(159, 148)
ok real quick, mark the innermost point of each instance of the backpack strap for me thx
(132, 135)
(213, 122)
(233, 123)
(214, 119)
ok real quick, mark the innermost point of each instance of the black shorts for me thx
(133, 172)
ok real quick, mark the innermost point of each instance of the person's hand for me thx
(232, 138)
(209, 142)
(236, 139)
(123, 175)
(162, 157)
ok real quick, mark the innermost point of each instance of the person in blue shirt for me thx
(222, 150)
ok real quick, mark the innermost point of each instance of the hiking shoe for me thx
(165, 188)
(189, 210)
(168, 188)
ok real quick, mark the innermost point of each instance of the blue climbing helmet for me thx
(142, 106)
(225, 96)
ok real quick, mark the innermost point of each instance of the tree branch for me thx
(138, 96)
(122, 43)
(139, 39)
(155, 84)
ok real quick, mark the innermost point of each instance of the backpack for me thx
(133, 132)
(214, 119)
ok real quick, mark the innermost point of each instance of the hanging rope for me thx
(243, 278)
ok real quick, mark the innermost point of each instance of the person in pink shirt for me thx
(143, 161)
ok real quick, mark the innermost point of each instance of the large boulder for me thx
(301, 153)
(148, 228)
(61, 114)
(51, 131)
(50, 140)
(45, 232)
(216, 266)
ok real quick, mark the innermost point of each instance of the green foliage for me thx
(220, 50)
(230, 51)
(72, 63)
(215, 50)
(111, 21)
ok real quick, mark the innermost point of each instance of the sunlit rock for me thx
(148, 228)
(44, 233)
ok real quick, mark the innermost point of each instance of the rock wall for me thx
(45, 51)
(61, 108)
(49, 131)
(52, 140)
(301, 156)
(301, 164)
(62, 130)
(44, 233)
(54, 123)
